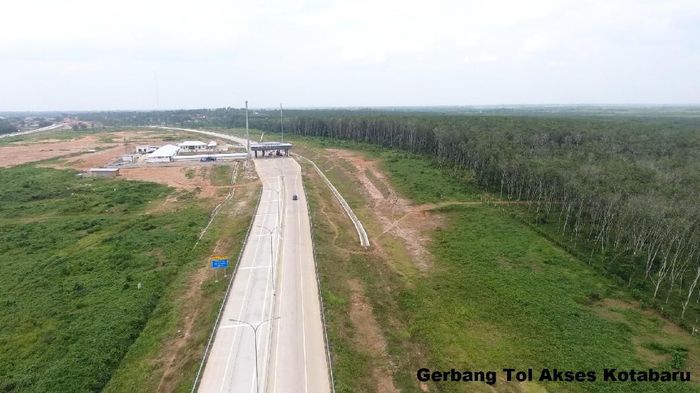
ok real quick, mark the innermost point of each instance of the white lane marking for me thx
(303, 327)
(274, 263)
(262, 318)
(254, 267)
(240, 313)
(281, 301)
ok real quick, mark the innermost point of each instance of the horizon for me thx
(82, 56)
(376, 107)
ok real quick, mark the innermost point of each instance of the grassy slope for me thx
(334, 242)
(142, 368)
(69, 282)
(499, 295)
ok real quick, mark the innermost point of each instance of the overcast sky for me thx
(128, 54)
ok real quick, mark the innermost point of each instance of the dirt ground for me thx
(23, 152)
(398, 216)
(111, 146)
(174, 354)
(97, 150)
(362, 317)
(668, 334)
(176, 176)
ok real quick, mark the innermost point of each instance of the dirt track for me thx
(176, 177)
(97, 150)
(17, 154)
(397, 216)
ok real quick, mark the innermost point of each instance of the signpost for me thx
(219, 263)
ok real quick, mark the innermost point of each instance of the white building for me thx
(163, 154)
(103, 172)
(145, 149)
(192, 146)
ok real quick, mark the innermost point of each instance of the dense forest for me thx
(621, 185)
(6, 127)
(626, 188)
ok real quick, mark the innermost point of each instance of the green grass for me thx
(62, 135)
(415, 177)
(498, 295)
(142, 369)
(220, 175)
(423, 181)
(505, 297)
(333, 239)
(79, 283)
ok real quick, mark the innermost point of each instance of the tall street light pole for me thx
(272, 256)
(247, 134)
(281, 123)
(255, 341)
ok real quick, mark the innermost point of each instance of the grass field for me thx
(167, 354)
(85, 265)
(498, 295)
(56, 135)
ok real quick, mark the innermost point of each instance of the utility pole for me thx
(155, 80)
(281, 123)
(247, 135)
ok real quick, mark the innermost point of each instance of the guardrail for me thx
(361, 233)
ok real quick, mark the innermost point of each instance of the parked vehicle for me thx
(207, 159)
(294, 197)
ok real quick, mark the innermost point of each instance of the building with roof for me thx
(192, 146)
(145, 149)
(103, 172)
(163, 154)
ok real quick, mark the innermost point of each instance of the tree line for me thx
(624, 188)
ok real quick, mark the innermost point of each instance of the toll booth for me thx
(273, 149)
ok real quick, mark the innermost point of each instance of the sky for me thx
(129, 54)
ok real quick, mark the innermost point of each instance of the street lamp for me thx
(279, 204)
(272, 255)
(247, 133)
(255, 343)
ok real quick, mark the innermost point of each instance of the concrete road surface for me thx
(240, 141)
(276, 292)
(34, 131)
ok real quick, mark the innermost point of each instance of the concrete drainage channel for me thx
(361, 233)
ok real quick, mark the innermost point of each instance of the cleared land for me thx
(101, 287)
(165, 358)
(497, 294)
(84, 150)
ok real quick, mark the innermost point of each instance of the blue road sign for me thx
(219, 263)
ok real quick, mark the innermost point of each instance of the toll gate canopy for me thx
(271, 148)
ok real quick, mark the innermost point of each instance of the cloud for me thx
(77, 53)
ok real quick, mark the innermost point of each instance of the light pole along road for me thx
(290, 348)
(255, 341)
